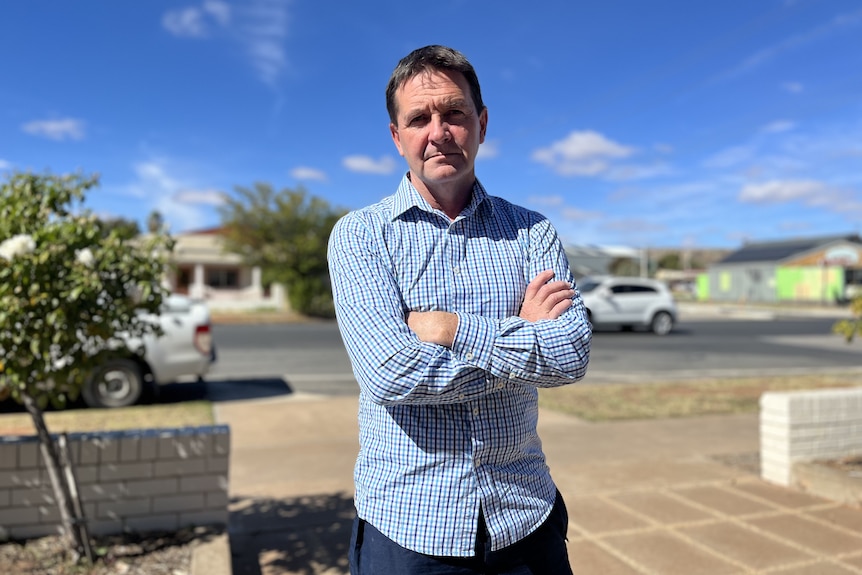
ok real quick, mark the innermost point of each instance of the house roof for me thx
(781, 250)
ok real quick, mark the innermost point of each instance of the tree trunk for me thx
(62, 492)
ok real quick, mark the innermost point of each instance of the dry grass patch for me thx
(188, 414)
(713, 396)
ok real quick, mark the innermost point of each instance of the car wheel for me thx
(116, 383)
(662, 323)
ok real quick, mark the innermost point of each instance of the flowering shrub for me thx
(16, 246)
(66, 288)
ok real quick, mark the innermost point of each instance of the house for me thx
(825, 270)
(203, 269)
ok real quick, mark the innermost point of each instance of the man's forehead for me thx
(432, 80)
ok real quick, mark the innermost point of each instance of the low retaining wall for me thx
(807, 426)
(129, 481)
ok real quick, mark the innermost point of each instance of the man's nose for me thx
(439, 129)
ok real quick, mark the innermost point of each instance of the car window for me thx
(631, 289)
(587, 286)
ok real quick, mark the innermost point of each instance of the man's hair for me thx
(431, 58)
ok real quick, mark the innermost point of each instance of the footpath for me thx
(675, 496)
(658, 497)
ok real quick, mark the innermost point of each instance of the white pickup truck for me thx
(184, 351)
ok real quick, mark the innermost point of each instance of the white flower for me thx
(17, 246)
(85, 257)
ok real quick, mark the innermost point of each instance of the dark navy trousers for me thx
(542, 552)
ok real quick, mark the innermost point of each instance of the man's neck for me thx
(451, 199)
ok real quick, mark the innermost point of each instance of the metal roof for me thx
(781, 250)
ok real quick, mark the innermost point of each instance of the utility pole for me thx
(644, 262)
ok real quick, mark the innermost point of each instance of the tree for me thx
(66, 290)
(286, 234)
(155, 222)
(850, 328)
(624, 267)
(670, 261)
(127, 229)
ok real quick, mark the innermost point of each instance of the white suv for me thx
(629, 302)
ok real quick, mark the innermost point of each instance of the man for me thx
(449, 310)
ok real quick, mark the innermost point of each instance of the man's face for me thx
(438, 130)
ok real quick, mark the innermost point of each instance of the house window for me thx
(223, 278)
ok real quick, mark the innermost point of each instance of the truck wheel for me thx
(116, 383)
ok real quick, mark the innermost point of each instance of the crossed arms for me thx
(543, 299)
(435, 357)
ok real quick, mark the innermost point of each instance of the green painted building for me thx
(825, 270)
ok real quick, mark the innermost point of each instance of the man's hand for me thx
(545, 299)
(434, 326)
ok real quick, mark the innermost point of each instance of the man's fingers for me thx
(559, 308)
(538, 283)
(546, 299)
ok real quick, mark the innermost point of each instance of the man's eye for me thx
(416, 121)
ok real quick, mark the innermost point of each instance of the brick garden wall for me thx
(143, 480)
(807, 426)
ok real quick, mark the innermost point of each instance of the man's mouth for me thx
(440, 155)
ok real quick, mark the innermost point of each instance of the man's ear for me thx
(483, 124)
(393, 129)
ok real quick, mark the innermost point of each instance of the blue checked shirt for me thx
(443, 431)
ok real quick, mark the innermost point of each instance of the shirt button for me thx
(501, 385)
(469, 355)
(456, 270)
(511, 375)
(478, 462)
(461, 396)
(476, 411)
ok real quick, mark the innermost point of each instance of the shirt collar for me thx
(408, 197)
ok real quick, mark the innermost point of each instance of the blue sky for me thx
(662, 123)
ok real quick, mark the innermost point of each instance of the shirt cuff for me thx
(474, 340)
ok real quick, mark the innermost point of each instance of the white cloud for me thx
(263, 32)
(780, 191)
(59, 130)
(730, 157)
(259, 26)
(218, 10)
(5, 164)
(793, 87)
(582, 153)
(779, 126)
(194, 21)
(184, 205)
(368, 165)
(624, 173)
(554, 201)
(489, 149)
(306, 173)
(578, 215)
(770, 53)
(208, 197)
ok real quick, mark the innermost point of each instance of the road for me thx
(311, 357)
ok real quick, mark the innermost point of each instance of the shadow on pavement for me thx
(214, 391)
(297, 535)
(224, 390)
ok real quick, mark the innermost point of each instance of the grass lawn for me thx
(188, 414)
(619, 401)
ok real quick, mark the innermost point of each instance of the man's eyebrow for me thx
(448, 103)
